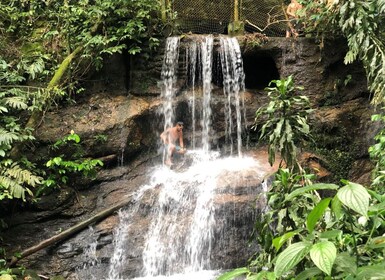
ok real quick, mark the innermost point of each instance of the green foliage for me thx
(36, 37)
(377, 154)
(286, 124)
(62, 169)
(362, 24)
(304, 236)
(101, 138)
(4, 270)
(16, 181)
(120, 24)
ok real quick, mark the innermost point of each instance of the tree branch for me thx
(69, 232)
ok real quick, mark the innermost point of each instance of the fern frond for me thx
(23, 176)
(15, 181)
(17, 191)
(6, 182)
(16, 102)
(7, 137)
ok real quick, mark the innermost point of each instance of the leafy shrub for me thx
(305, 236)
(63, 167)
(377, 154)
(285, 125)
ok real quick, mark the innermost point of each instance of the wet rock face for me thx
(129, 115)
(87, 255)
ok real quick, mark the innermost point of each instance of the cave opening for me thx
(260, 68)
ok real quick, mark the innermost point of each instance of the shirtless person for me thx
(169, 137)
(292, 13)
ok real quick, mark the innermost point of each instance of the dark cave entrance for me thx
(260, 69)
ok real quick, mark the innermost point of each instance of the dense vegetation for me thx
(47, 49)
(317, 230)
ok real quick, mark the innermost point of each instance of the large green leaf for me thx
(345, 263)
(263, 275)
(337, 207)
(331, 234)
(320, 186)
(290, 257)
(279, 241)
(355, 197)
(374, 272)
(234, 273)
(309, 273)
(316, 214)
(323, 254)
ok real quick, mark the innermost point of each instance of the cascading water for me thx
(199, 60)
(168, 79)
(173, 247)
(90, 258)
(207, 62)
(191, 62)
(188, 217)
(233, 85)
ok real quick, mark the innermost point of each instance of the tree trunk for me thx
(69, 232)
(236, 10)
(36, 116)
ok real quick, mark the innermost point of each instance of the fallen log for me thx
(69, 232)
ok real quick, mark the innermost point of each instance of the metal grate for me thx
(210, 17)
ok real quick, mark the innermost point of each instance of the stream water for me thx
(186, 224)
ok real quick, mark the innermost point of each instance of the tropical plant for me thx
(62, 169)
(59, 42)
(285, 125)
(362, 24)
(307, 236)
(377, 154)
(16, 180)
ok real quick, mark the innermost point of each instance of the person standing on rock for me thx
(169, 138)
(292, 14)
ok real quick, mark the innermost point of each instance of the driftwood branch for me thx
(271, 20)
(69, 232)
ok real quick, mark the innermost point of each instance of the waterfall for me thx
(120, 238)
(172, 247)
(207, 62)
(168, 79)
(199, 60)
(90, 258)
(191, 62)
(233, 85)
(189, 207)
